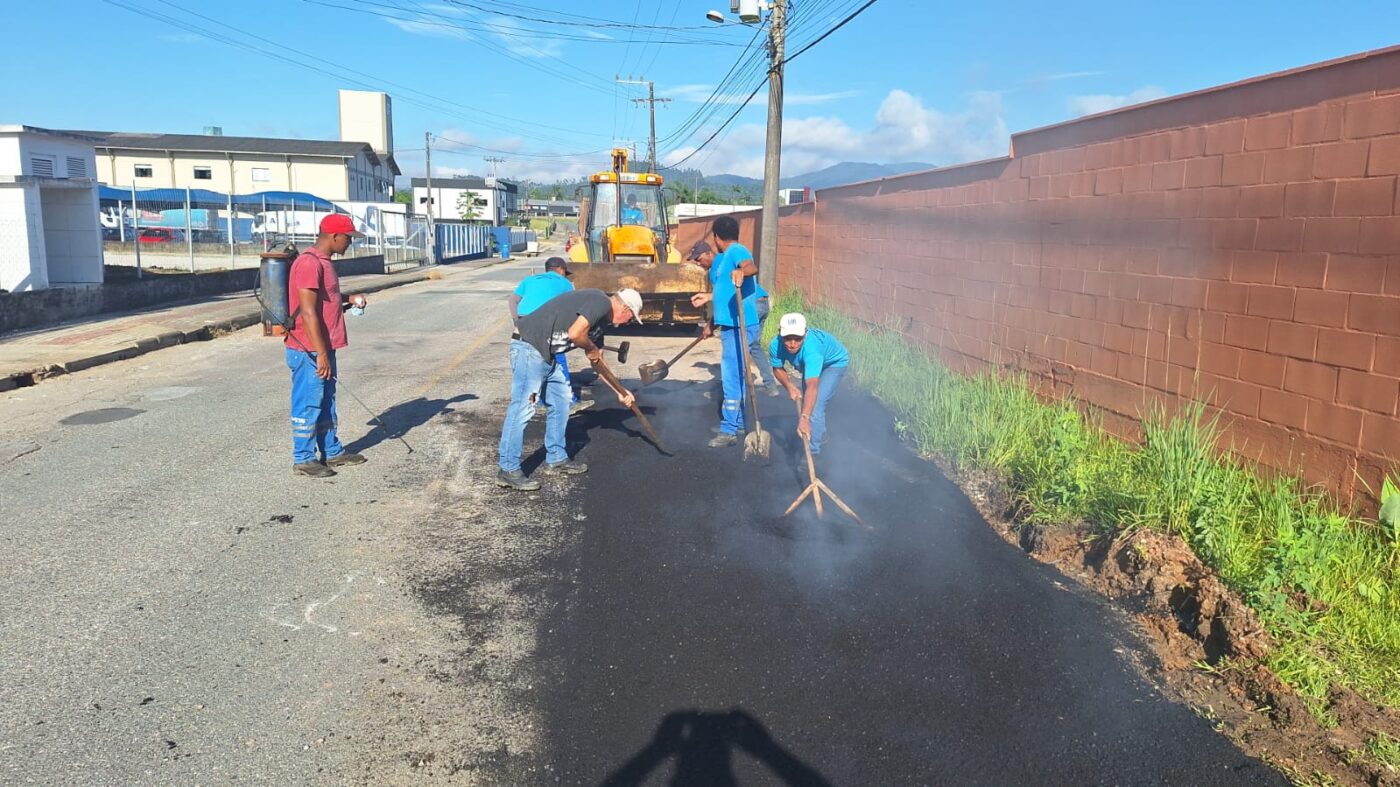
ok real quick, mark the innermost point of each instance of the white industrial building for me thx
(495, 199)
(49, 231)
(359, 167)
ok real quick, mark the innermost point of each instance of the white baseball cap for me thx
(792, 324)
(633, 300)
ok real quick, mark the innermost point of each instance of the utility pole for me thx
(428, 177)
(651, 101)
(768, 251)
(493, 161)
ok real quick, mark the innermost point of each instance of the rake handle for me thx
(607, 374)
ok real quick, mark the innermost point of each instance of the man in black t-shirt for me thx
(560, 324)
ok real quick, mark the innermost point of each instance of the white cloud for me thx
(1092, 105)
(435, 30)
(903, 130)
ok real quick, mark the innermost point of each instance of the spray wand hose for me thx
(373, 416)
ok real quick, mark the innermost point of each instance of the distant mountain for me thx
(834, 175)
(850, 172)
(727, 181)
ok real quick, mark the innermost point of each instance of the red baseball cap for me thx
(339, 224)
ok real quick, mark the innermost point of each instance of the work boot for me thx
(345, 458)
(516, 480)
(722, 440)
(720, 429)
(580, 405)
(566, 467)
(313, 469)
(775, 390)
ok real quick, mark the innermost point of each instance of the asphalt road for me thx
(177, 608)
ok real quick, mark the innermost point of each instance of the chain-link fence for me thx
(197, 230)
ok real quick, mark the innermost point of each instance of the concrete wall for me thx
(20, 310)
(21, 239)
(688, 231)
(72, 237)
(1239, 246)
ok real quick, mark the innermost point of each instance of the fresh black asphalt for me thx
(698, 638)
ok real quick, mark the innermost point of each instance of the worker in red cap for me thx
(318, 330)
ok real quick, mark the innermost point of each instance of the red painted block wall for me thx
(1239, 246)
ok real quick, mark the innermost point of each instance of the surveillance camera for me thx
(715, 16)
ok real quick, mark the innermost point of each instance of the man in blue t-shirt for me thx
(733, 286)
(631, 214)
(533, 292)
(820, 359)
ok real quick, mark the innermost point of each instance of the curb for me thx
(13, 380)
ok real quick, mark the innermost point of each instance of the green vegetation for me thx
(1325, 582)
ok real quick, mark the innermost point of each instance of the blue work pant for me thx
(827, 382)
(731, 368)
(313, 409)
(757, 352)
(563, 360)
(528, 372)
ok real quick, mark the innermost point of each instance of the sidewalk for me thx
(28, 357)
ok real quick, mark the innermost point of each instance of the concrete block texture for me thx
(1238, 245)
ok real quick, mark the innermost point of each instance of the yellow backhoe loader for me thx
(625, 242)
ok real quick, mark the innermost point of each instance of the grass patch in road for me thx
(1323, 580)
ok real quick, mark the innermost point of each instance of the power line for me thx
(786, 60)
(823, 36)
(577, 21)
(279, 51)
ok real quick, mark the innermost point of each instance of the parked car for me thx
(161, 235)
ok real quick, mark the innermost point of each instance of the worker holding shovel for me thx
(560, 324)
(822, 361)
(733, 283)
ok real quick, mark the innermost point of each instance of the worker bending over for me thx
(533, 292)
(820, 359)
(559, 325)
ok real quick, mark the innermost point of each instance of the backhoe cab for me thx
(626, 243)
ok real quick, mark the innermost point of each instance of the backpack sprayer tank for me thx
(274, 273)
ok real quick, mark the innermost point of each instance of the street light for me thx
(748, 11)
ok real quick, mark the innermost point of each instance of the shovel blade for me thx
(653, 372)
(757, 445)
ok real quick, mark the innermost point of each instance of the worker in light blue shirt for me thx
(733, 284)
(533, 292)
(822, 362)
(631, 214)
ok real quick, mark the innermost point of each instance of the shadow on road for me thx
(703, 744)
(403, 418)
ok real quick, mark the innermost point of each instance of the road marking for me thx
(490, 332)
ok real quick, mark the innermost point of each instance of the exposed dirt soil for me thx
(1208, 645)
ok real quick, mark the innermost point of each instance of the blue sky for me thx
(907, 80)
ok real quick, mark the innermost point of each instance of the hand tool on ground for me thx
(757, 442)
(817, 486)
(604, 372)
(658, 370)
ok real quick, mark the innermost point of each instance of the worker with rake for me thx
(733, 284)
(822, 361)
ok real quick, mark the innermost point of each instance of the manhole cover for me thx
(104, 416)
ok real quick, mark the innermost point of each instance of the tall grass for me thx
(1323, 580)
